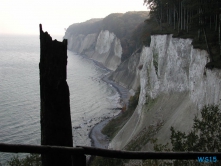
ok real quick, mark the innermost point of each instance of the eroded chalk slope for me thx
(175, 85)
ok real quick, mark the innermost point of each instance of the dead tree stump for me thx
(55, 105)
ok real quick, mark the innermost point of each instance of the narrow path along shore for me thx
(98, 139)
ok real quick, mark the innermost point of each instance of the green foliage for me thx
(102, 161)
(157, 148)
(129, 28)
(87, 27)
(196, 19)
(30, 160)
(205, 135)
(123, 24)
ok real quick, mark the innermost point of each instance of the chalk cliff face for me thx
(104, 47)
(109, 40)
(87, 43)
(175, 85)
(108, 50)
(127, 74)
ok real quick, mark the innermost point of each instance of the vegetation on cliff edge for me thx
(196, 19)
(32, 159)
(129, 28)
(205, 136)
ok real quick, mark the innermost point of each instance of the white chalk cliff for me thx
(174, 82)
(127, 74)
(104, 47)
(175, 85)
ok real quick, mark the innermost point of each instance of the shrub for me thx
(205, 136)
(32, 159)
(102, 161)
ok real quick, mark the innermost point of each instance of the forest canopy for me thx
(128, 27)
(197, 19)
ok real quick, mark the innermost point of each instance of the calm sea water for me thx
(91, 99)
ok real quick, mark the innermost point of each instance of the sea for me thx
(91, 99)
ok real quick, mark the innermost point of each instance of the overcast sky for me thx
(24, 16)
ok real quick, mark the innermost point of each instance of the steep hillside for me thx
(110, 40)
(175, 85)
(172, 75)
(85, 28)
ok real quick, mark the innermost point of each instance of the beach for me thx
(98, 139)
(96, 124)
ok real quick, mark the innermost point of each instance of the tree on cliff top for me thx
(124, 26)
(197, 19)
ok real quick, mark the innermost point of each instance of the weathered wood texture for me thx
(82, 151)
(54, 93)
(120, 154)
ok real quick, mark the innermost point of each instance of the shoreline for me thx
(96, 132)
(98, 139)
(95, 135)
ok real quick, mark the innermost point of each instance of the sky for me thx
(24, 16)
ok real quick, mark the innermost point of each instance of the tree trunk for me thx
(54, 93)
(174, 18)
(219, 34)
(216, 22)
(187, 18)
(180, 17)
